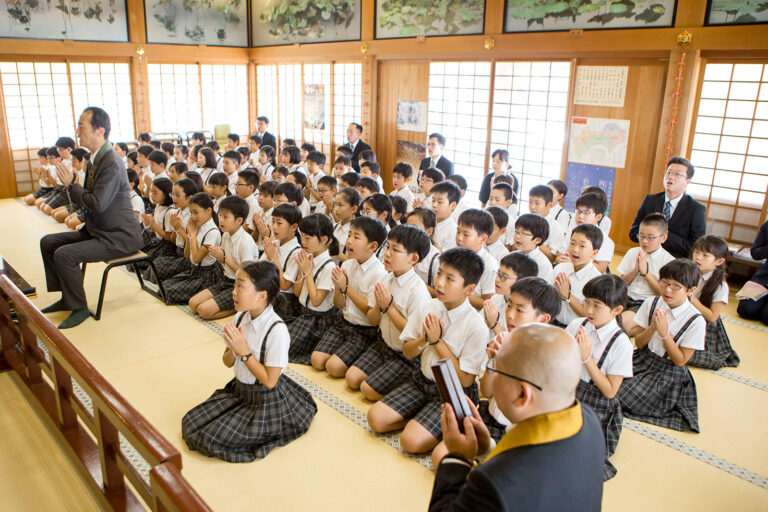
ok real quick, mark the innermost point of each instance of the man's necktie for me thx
(667, 210)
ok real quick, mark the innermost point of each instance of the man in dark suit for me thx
(435, 148)
(110, 231)
(354, 132)
(267, 139)
(552, 460)
(687, 217)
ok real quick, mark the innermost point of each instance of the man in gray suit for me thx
(110, 229)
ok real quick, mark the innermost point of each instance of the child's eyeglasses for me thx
(390, 247)
(491, 367)
(503, 277)
(523, 234)
(648, 238)
(666, 283)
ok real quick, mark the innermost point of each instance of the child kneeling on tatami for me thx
(662, 390)
(237, 248)
(448, 328)
(392, 302)
(354, 281)
(313, 286)
(606, 355)
(259, 409)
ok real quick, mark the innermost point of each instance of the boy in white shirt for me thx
(445, 196)
(640, 266)
(341, 166)
(570, 277)
(588, 207)
(352, 333)
(495, 244)
(230, 164)
(427, 266)
(372, 170)
(246, 187)
(326, 191)
(503, 197)
(475, 226)
(427, 180)
(315, 164)
(560, 214)
(513, 267)
(448, 327)
(461, 206)
(396, 298)
(401, 178)
(540, 201)
(530, 231)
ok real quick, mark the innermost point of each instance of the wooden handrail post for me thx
(62, 383)
(109, 447)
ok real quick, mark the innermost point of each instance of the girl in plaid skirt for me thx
(259, 409)
(709, 253)
(606, 354)
(313, 286)
(171, 264)
(280, 248)
(662, 390)
(201, 233)
(156, 235)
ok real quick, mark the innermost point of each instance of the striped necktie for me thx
(667, 210)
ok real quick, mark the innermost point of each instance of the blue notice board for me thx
(580, 176)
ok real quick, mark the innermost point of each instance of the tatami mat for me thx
(164, 362)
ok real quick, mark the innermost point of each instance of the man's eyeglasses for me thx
(492, 368)
(676, 174)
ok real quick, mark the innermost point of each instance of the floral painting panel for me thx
(279, 22)
(550, 15)
(412, 18)
(194, 22)
(737, 12)
(75, 20)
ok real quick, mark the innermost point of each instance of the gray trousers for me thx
(62, 255)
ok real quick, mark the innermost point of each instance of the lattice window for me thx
(290, 102)
(106, 85)
(347, 99)
(528, 119)
(174, 97)
(730, 149)
(317, 106)
(225, 97)
(266, 85)
(458, 108)
(38, 110)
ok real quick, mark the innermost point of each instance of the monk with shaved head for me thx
(550, 459)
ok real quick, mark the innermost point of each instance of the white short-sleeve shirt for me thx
(562, 216)
(639, 287)
(183, 216)
(556, 240)
(545, 266)
(693, 337)
(232, 185)
(461, 206)
(286, 255)
(137, 203)
(720, 295)
(162, 214)
(497, 249)
(445, 234)
(487, 283)
(314, 179)
(253, 208)
(205, 174)
(500, 303)
(618, 361)
(409, 294)
(464, 331)
(426, 201)
(240, 247)
(426, 269)
(341, 232)
(406, 194)
(362, 277)
(304, 207)
(510, 234)
(255, 330)
(578, 279)
(208, 234)
(322, 282)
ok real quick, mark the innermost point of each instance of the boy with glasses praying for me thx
(530, 232)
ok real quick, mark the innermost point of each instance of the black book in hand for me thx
(450, 389)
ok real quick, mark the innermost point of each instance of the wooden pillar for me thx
(690, 13)
(494, 16)
(252, 99)
(684, 128)
(140, 88)
(136, 32)
(7, 171)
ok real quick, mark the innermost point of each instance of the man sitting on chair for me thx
(110, 229)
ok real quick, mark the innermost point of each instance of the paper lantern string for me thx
(683, 39)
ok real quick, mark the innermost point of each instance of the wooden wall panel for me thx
(643, 108)
(397, 80)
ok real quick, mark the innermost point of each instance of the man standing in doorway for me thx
(686, 216)
(267, 139)
(110, 229)
(354, 132)
(436, 159)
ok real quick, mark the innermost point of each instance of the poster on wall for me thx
(597, 141)
(411, 152)
(65, 20)
(314, 107)
(411, 18)
(412, 116)
(276, 22)
(600, 86)
(737, 12)
(551, 15)
(580, 176)
(196, 22)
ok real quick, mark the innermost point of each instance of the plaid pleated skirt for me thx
(41, 192)
(222, 293)
(169, 266)
(306, 332)
(157, 248)
(633, 304)
(496, 429)
(419, 399)
(287, 307)
(608, 411)
(244, 422)
(718, 351)
(58, 198)
(346, 340)
(660, 393)
(385, 369)
(182, 287)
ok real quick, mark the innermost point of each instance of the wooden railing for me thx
(127, 463)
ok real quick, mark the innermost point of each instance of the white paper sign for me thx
(596, 141)
(601, 86)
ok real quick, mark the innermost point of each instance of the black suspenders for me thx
(682, 330)
(608, 347)
(314, 277)
(263, 351)
(287, 258)
(429, 270)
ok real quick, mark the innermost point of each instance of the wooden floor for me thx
(165, 362)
